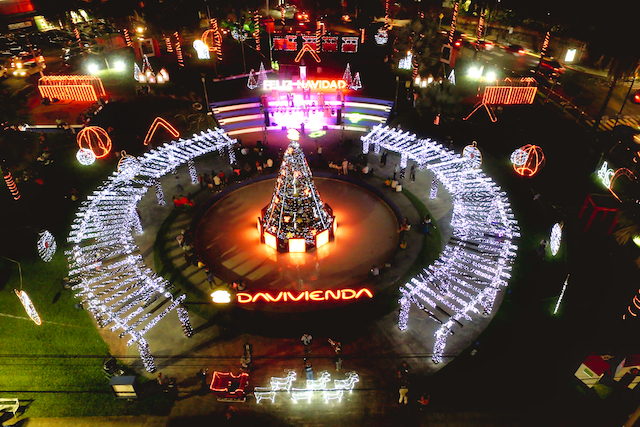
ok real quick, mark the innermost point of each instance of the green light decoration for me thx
(354, 117)
(317, 134)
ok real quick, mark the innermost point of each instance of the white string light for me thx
(115, 285)
(476, 263)
(313, 387)
(564, 287)
(46, 246)
(556, 237)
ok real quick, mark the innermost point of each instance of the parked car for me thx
(33, 68)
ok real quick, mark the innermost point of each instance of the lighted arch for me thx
(159, 121)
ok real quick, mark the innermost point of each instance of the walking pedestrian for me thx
(308, 369)
(247, 349)
(413, 173)
(306, 341)
(404, 390)
(404, 371)
(383, 158)
(202, 377)
(337, 359)
(211, 278)
(201, 180)
(396, 169)
(178, 184)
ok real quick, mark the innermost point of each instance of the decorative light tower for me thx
(296, 220)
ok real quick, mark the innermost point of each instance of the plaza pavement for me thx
(375, 355)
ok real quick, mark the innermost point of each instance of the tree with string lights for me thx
(296, 210)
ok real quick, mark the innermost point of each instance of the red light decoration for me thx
(545, 44)
(532, 159)
(636, 307)
(11, 184)
(453, 22)
(285, 296)
(159, 121)
(71, 88)
(229, 385)
(178, 50)
(96, 139)
(256, 29)
(77, 34)
(167, 42)
(127, 37)
(514, 92)
(307, 48)
(213, 38)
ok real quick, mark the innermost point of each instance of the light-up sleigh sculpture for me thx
(115, 285)
(476, 263)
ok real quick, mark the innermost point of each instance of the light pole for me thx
(206, 96)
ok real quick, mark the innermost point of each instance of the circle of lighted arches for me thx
(132, 168)
(527, 160)
(96, 139)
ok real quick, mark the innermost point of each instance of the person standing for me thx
(383, 158)
(319, 149)
(202, 377)
(404, 390)
(308, 369)
(396, 169)
(345, 167)
(337, 359)
(211, 278)
(247, 349)
(306, 341)
(413, 173)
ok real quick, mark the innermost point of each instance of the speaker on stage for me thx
(267, 122)
(339, 117)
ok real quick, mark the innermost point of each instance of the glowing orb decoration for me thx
(221, 297)
(46, 246)
(472, 155)
(556, 237)
(381, 37)
(85, 157)
(519, 157)
(293, 135)
(29, 307)
(128, 166)
(527, 160)
(96, 139)
(239, 34)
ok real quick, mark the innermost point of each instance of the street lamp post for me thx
(206, 96)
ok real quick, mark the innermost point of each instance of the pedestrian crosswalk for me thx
(609, 122)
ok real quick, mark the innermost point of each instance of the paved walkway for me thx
(375, 353)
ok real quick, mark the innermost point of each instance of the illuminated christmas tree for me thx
(296, 219)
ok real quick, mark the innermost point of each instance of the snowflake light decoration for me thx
(85, 157)
(239, 34)
(46, 246)
(519, 157)
(128, 166)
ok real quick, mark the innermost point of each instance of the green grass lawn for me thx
(55, 369)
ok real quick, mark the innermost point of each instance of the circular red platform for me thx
(227, 240)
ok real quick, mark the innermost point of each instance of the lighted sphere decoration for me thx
(128, 166)
(239, 34)
(472, 155)
(46, 245)
(85, 157)
(556, 237)
(527, 160)
(96, 139)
